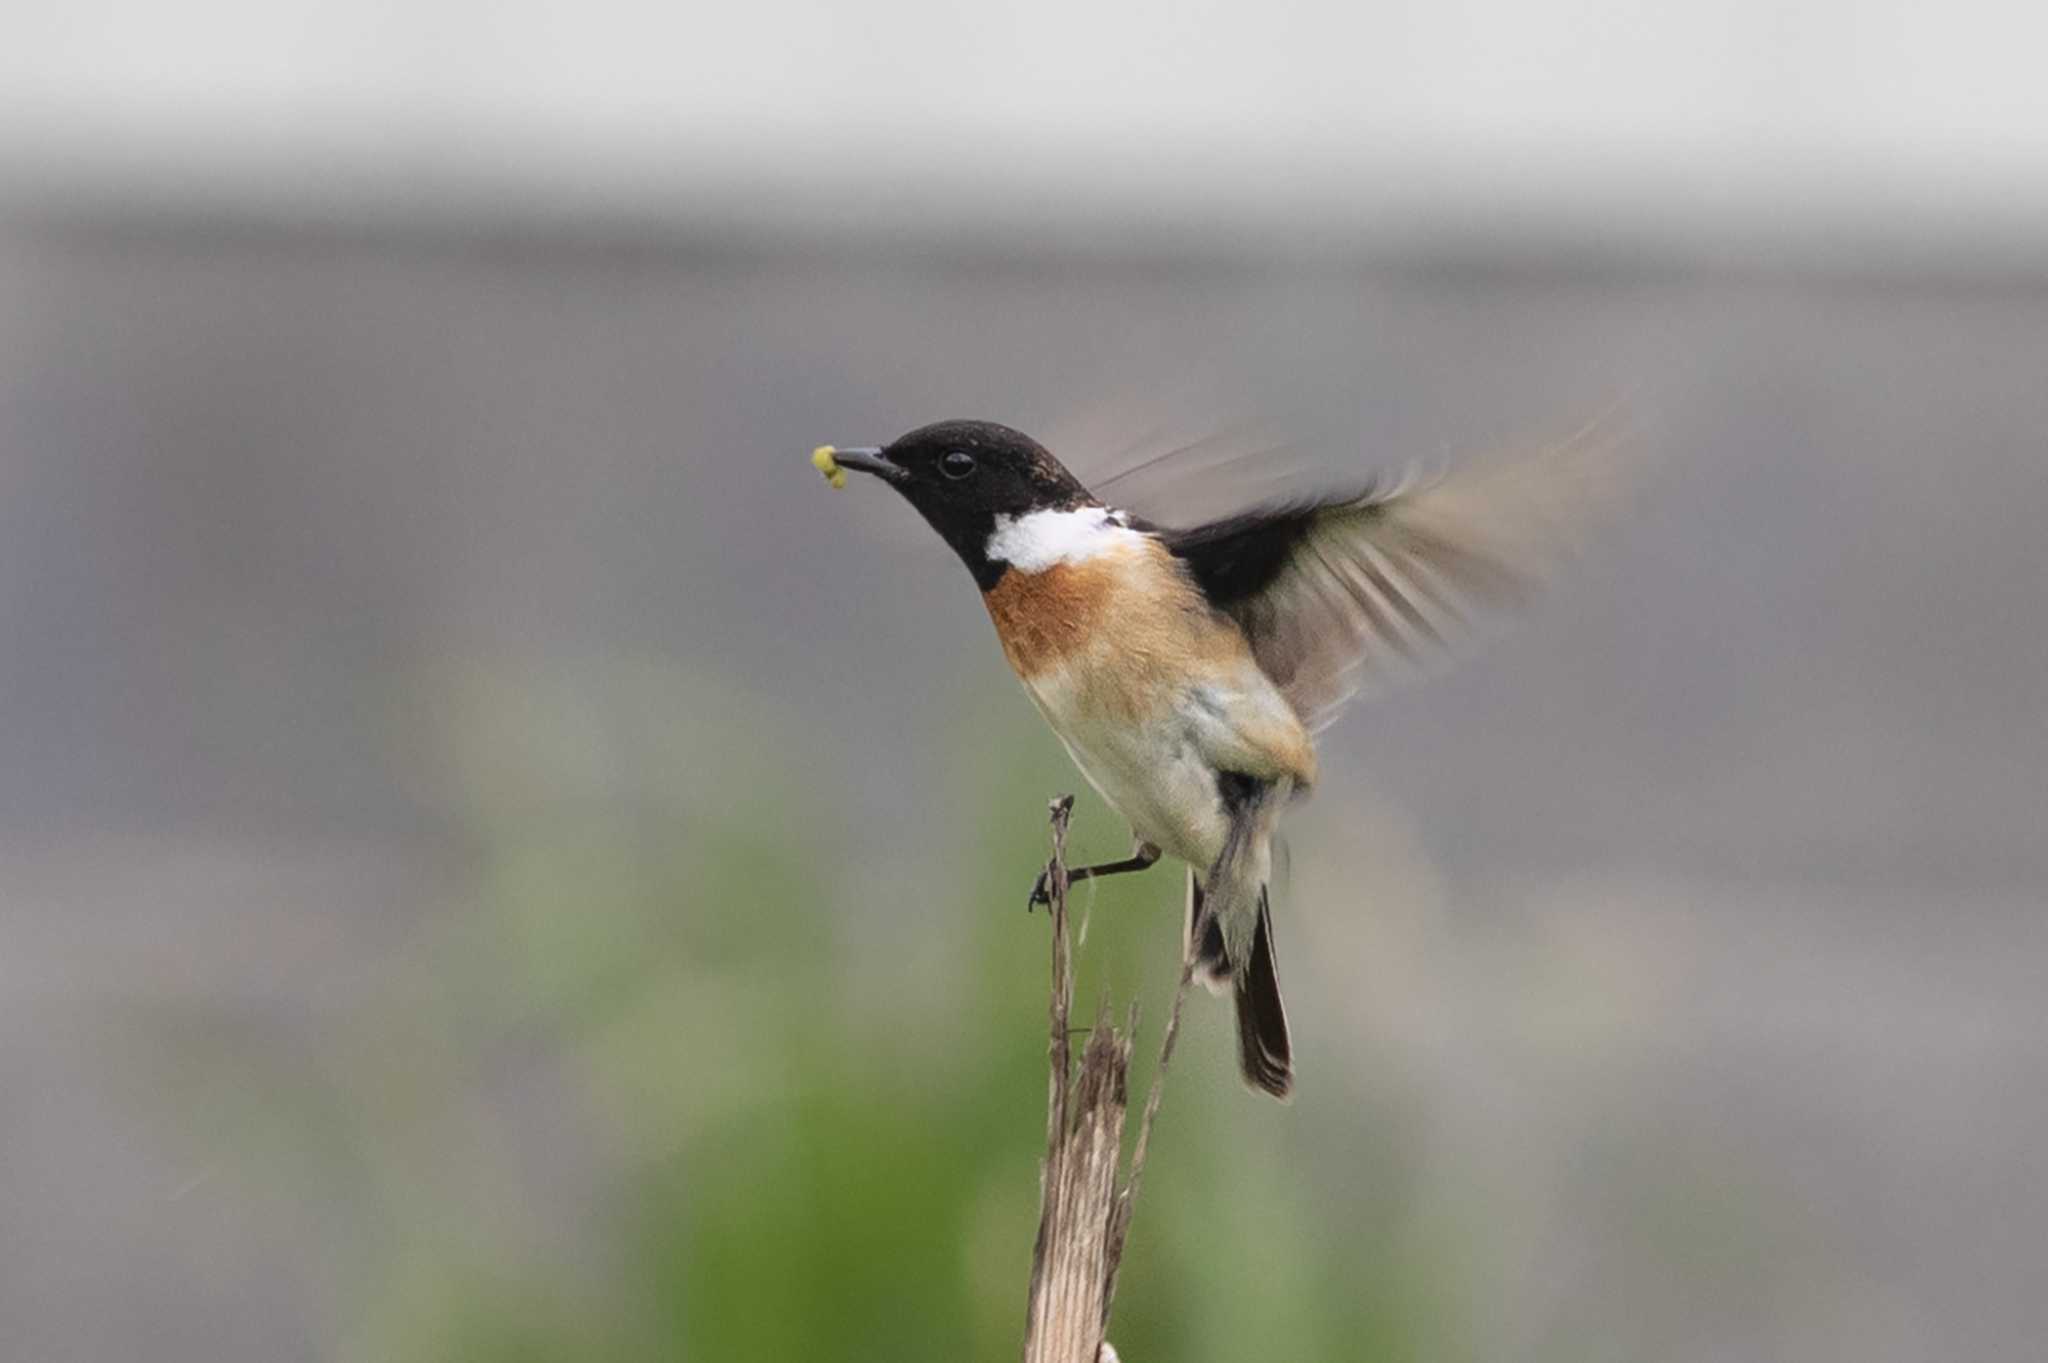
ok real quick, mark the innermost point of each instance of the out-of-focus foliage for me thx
(797, 1169)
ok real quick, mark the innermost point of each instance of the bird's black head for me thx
(962, 475)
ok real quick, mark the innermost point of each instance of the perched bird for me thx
(1187, 670)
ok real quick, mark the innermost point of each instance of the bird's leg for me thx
(1141, 857)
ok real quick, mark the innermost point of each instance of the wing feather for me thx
(1341, 592)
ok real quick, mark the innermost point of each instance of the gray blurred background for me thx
(497, 862)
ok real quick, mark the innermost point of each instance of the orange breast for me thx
(1127, 622)
(1121, 638)
(1046, 619)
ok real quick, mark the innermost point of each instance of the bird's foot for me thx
(1041, 890)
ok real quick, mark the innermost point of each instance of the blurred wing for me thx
(1336, 592)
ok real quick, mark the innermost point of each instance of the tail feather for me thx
(1230, 929)
(1265, 1053)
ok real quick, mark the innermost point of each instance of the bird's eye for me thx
(958, 464)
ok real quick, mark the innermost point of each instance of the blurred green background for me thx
(818, 1127)
(816, 1124)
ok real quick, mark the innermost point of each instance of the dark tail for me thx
(1265, 1054)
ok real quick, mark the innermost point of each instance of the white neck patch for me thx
(1035, 542)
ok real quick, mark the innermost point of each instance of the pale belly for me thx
(1158, 770)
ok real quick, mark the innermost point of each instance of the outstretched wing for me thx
(1335, 591)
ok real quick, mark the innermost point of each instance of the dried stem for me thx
(1084, 1216)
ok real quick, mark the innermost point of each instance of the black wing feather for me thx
(1328, 589)
(1238, 557)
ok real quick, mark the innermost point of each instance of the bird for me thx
(1188, 670)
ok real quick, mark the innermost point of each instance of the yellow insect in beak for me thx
(823, 461)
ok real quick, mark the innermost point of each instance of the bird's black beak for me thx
(869, 459)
